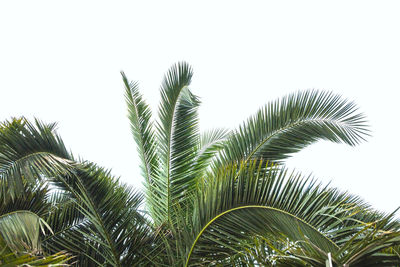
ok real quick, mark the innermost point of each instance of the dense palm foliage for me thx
(219, 198)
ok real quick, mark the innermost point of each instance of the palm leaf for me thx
(286, 126)
(178, 141)
(112, 231)
(143, 133)
(27, 152)
(267, 202)
(34, 198)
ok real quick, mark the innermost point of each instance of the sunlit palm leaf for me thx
(143, 133)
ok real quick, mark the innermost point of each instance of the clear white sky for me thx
(60, 61)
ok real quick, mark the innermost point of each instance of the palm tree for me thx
(215, 198)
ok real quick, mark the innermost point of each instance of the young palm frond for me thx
(142, 128)
(176, 143)
(111, 231)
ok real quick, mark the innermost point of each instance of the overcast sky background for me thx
(60, 61)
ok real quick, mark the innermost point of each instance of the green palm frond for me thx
(92, 213)
(369, 245)
(288, 125)
(178, 139)
(142, 130)
(265, 201)
(112, 230)
(34, 198)
(372, 244)
(27, 152)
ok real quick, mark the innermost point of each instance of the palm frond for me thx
(34, 198)
(372, 244)
(178, 141)
(112, 230)
(142, 130)
(265, 201)
(27, 152)
(286, 126)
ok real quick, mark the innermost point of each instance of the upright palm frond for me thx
(291, 123)
(142, 130)
(178, 141)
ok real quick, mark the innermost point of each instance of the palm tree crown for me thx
(219, 198)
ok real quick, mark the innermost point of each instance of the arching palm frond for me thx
(99, 221)
(265, 201)
(27, 152)
(286, 126)
(33, 198)
(142, 128)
